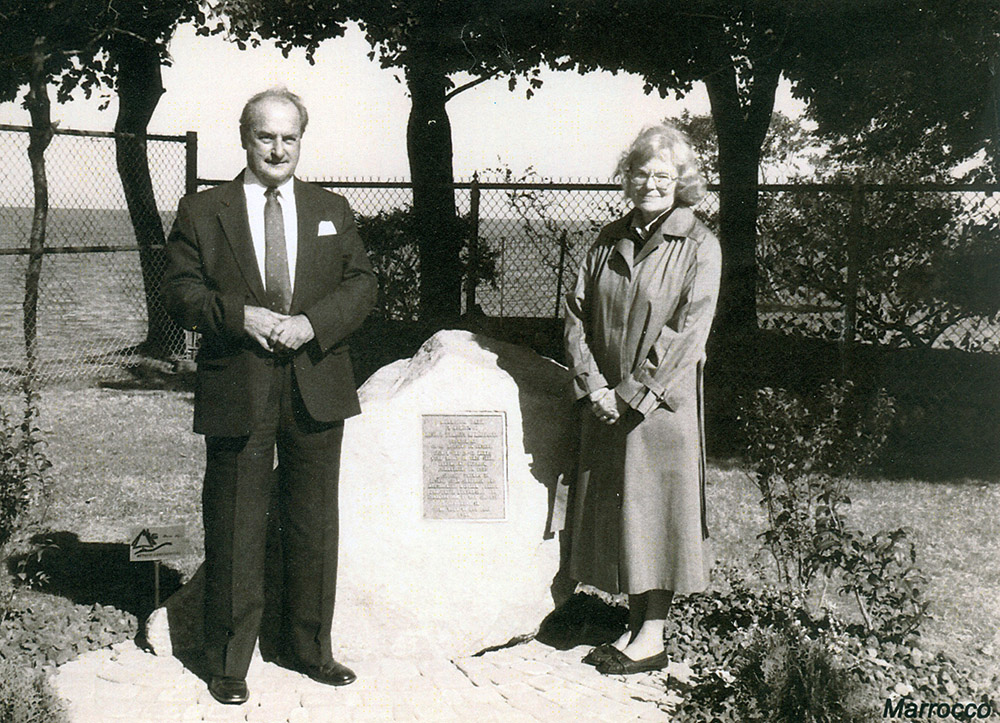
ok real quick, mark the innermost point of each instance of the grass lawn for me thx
(122, 459)
(128, 458)
(952, 524)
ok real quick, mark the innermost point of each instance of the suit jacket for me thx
(212, 272)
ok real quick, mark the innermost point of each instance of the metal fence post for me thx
(853, 271)
(472, 275)
(191, 162)
(192, 340)
(559, 271)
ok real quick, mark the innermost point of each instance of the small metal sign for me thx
(157, 543)
(465, 466)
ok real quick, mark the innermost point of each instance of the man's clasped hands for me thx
(276, 332)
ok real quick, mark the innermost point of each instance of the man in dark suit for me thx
(271, 271)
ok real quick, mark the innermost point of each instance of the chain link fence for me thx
(895, 266)
(904, 266)
(898, 283)
(92, 306)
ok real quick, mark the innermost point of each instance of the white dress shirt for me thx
(253, 189)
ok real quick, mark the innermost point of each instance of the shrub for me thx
(391, 243)
(393, 253)
(22, 463)
(22, 486)
(758, 658)
(26, 696)
(768, 653)
(786, 677)
(43, 634)
(800, 452)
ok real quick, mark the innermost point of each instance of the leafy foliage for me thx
(884, 70)
(536, 215)
(923, 265)
(881, 571)
(927, 263)
(394, 257)
(81, 41)
(442, 47)
(468, 39)
(758, 658)
(46, 635)
(391, 241)
(786, 676)
(22, 464)
(26, 695)
(886, 73)
(799, 452)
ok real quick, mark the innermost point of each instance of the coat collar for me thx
(236, 227)
(676, 223)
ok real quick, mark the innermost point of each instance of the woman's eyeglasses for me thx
(660, 180)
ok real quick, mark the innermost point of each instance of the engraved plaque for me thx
(465, 466)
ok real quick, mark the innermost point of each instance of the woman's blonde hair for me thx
(665, 141)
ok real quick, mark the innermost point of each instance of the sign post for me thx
(153, 544)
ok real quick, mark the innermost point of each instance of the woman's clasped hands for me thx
(606, 405)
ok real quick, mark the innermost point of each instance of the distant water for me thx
(90, 304)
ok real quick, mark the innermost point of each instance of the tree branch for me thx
(129, 33)
(470, 84)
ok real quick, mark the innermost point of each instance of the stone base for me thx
(177, 625)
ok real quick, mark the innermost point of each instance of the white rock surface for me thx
(459, 585)
(475, 584)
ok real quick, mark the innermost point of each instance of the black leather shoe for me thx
(231, 691)
(329, 673)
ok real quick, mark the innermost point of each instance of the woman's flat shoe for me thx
(624, 665)
(606, 651)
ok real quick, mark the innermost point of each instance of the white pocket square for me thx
(326, 228)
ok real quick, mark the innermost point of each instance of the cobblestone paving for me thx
(527, 682)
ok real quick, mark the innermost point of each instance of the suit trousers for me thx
(240, 486)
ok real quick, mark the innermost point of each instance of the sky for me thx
(573, 128)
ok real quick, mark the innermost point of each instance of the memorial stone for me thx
(449, 479)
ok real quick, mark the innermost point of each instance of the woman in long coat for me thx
(636, 325)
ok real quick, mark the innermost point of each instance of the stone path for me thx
(527, 682)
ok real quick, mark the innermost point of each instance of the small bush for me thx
(758, 658)
(22, 463)
(26, 695)
(391, 242)
(46, 634)
(393, 252)
(786, 677)
(799, 452)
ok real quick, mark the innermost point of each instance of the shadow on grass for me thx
(93, 572)
(151, 374)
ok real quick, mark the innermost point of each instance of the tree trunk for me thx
(741, 131)
(994, 115)
(139, 89)
(428, 146)
(39, 109)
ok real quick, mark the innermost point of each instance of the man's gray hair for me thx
(277, 93)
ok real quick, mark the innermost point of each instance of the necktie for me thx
(276, 278)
